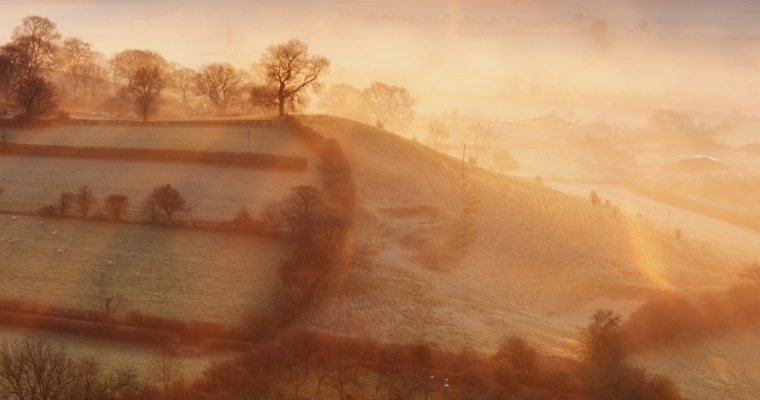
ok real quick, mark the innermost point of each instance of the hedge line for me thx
(13, 123)
(87, 328)
(255, 160)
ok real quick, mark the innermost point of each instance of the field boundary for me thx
(699, 207)
(12, 123)
(251, 160)
(87, 328)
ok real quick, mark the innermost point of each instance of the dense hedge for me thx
(16, 123)
(87, 328)
(268, 161)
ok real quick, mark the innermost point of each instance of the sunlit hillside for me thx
(466, 259)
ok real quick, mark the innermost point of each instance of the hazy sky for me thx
(449, 54)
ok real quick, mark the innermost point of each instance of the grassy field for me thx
(539, 265)
(695, 227)
(165, 272)
(212, 191)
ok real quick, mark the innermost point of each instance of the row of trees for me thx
(39, 69)
(385, 105)
(345, 368)
(478, 137)
(163, 202)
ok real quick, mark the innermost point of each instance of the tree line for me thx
(40, 70)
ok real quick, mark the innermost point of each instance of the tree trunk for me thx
(281, 98)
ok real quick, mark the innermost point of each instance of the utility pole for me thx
(667, 230)
(464, 147)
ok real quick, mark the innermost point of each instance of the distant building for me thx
(696, 169)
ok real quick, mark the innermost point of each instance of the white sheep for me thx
(14, 240)
(55, 232)
(110, 262)
(42, 223)
(59, 251)
(13, 218)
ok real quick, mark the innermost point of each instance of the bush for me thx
(48, 211)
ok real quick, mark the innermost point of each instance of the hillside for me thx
(466, 261)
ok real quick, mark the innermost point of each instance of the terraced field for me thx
(167, 272)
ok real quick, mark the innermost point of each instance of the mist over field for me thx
(386, 200)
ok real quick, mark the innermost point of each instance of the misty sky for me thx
(450, 54)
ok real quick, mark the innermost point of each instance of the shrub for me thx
(47, 211)
(602, 340)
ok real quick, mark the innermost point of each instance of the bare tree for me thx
(437, 133)
(391, 106)
(71, 62)
(64, 202)
(85, 199)
(36, 97)
(166, 199)
(111, 303)
(95, 74)
(144, 91)
(289, 72)
(601, 341)
(165, 366)
(505, 161)
(346, 101)
(271, 217)
(38, 39)
(35, 367)
(299, 378)
(300, 207)
(221, 84)
(117, 205)
(341, 377)
(478, 138)
(182, 81)
(125, 64)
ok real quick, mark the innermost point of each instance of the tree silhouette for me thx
(289, 71)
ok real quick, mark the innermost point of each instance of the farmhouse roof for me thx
(549, 121)
(695, 166)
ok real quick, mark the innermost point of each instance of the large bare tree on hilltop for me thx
(289, 72)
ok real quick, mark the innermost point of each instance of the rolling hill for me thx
(466, 259)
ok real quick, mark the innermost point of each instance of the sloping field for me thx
(212, 191)
(527, 259)
(174, 273)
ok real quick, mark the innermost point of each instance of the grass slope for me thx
(171, 273)
(538, 262)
